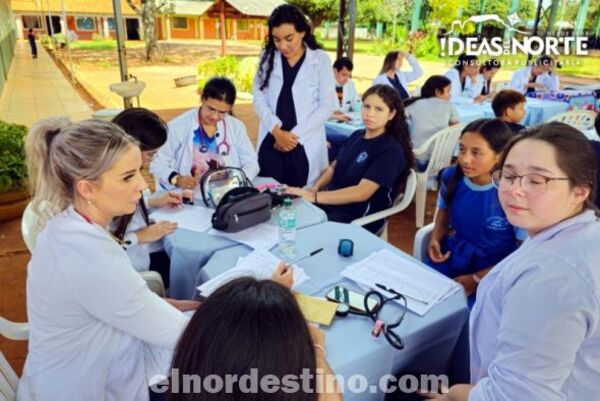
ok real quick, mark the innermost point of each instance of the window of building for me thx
(180, 23)
(243, 25)
(32, 21)
(110, 21)
(85, 24)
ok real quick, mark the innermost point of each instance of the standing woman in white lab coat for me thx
(391, 75)
(294, 94)
(90, 313)
(466, 87)
(205, 138)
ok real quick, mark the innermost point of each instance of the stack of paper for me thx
(260, 236)
(422, 287)
(189, 217)
(258, 264)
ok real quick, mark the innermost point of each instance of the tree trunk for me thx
(148, 15)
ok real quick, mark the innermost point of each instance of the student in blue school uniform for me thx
(294, 94)
(535, 329)
(372, 166)
(471, 233)
(140, 236)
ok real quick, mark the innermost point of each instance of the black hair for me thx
(575, 154)
(433, 84)
(597, 124)
(389, 62)
(465, 60)
(489, 65)
(343, 62)
(506, 99)
(495, 132)
(247, 324)
(151, 133)
(144, 125)
(219, 88)
(397, 127)
(284, 14)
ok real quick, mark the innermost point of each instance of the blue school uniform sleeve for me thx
(446, 175)
(386, 168)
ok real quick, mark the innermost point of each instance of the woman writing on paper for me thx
(205, 138)
(535, 327)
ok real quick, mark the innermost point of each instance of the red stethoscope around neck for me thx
(223, 147)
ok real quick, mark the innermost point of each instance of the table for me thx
(433, 343)
(190, 250)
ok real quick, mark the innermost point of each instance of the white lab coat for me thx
(90, 315)
(315, 101)
(471, 91)
(350, 98)
(177, 153)
(403, 76)
(520, 79)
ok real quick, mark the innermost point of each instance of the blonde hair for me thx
(60, 153)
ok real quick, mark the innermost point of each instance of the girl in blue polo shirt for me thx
(471, 233)
(371, 167)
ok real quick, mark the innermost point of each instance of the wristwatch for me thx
(173, 179)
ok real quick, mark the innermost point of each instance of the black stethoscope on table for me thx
(381, 326)
(223, 147)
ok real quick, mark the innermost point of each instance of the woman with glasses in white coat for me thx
(535, 328)
(294, 94)
(205, 138)
(391, 75)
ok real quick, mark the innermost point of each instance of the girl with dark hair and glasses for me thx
(205, 138)
(294, 94)
(535, 328)
(471, 233)
(251, 325)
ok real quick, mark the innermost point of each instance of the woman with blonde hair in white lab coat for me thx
(391, 75)
(294, 94)
(205, 138)
(89, 311)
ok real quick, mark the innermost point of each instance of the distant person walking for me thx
(31, 38)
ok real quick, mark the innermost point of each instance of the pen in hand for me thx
(308, 255)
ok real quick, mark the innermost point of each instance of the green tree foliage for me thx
(318, 10)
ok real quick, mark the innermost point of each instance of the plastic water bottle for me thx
(287, 228)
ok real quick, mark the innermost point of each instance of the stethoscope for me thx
(223, 147)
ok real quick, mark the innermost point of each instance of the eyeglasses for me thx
(534, 184)
(212, 110)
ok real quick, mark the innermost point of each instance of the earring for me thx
(89, 201)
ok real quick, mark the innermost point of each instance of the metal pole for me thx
(121, 48)
(67, 40)
(351, 28)
(223, 31)
(536, 23)
(341, 30)
(514, 7)
(481, 11)
(581, 16)
(416, 15)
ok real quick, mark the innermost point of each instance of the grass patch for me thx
(104, 44)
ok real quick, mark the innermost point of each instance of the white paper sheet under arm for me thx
(190, 217)
(403, 275)
(260, 236)
(258, 264)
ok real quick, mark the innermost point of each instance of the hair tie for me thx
(50, 135)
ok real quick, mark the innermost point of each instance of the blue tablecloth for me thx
(434, 344)
(536, 111)
(190, 250)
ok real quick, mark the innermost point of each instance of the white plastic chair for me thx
(30, 230)
(8, 377)
(442, 146)
(581, 119)
(401, 202)
(422, 237)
